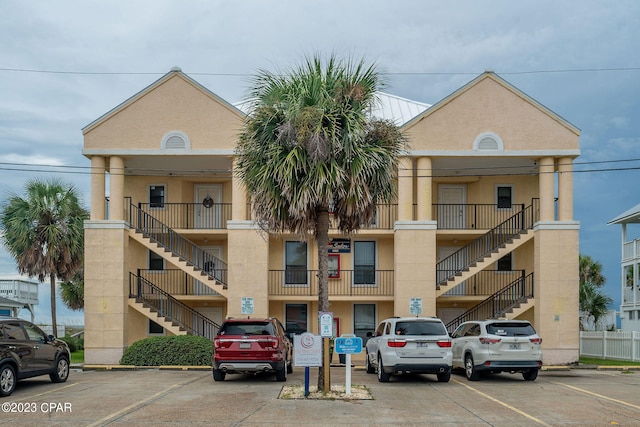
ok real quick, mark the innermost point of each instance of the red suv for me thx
(250, 346)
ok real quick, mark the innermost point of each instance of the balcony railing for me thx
(385, 218)
(19, 291)
(177, 282)
(350, 283)
(472, 216)
(483, 283)
(190, 215)
(631, 250)
(166, 306)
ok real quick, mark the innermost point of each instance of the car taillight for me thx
(536, 340)
(396, 343)
(490, 340)
(221, 343)
(444, 343)
(270, 342)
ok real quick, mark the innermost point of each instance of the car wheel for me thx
(218, 375)
(61, 372)
(530, 375)
(7, 380)
(281, 374)
(370, 369)
(383, 377)
(470, 369)
(444, 377)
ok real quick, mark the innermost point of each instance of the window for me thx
(154, 328)
(296, 318)
(156, 196)
(296, 263)
(156, 262)
(364, 263)
(504, 196)
(506, 262)
(632, 315)
(364, 320)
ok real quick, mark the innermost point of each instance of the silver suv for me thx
(409, 345)
(492, 346)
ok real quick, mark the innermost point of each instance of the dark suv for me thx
(26, 351)
(252, 346)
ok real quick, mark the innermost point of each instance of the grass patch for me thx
(77, 356)
(607, 362)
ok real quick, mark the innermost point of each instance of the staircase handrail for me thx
(499, 303)
(480, 247)
(184, 248)
(182, 315)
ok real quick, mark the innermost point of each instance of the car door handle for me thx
(36, 347)
(12, 347)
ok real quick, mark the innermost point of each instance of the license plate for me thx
(421, 344)
(514, 346)
(245, 345)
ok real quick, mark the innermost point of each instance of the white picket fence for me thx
(610, 345)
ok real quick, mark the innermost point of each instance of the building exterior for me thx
(630, 268)
(16, 295)
(476, 231)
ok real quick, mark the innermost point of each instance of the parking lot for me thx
(177, 397)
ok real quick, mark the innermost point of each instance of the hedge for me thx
(183, 350)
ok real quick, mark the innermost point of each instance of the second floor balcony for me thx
(343, 283)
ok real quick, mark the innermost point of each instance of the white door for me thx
(208, 208)
(451, 211)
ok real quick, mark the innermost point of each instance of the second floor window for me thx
(504, 196)
(156, 196)
(296, 263)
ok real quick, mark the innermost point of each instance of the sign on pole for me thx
(326, 324)
(307, 350)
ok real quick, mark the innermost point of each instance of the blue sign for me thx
(348, 345)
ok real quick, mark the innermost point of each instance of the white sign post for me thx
(347, 345)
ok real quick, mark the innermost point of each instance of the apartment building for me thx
(483, 225)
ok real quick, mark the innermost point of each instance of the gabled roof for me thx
(175, 71)
(493, 76)
(629, 216)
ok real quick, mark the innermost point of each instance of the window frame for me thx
(497, 196)
(287, 270)
(163, 202)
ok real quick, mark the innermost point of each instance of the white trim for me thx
(243, 225)
(493, 153)
(105, 224)
(556, 225)
(415, 225)
(125, 152)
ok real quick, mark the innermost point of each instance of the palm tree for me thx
(44, 232)
(593, 303)
(309, 146)
(72, 291)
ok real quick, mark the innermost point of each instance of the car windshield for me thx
(247, 328)
(510, 329)
(420, 328)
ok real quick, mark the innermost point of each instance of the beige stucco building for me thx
(483, 225)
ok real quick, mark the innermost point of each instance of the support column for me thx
(547, 192)
(238, 196)
(97, 188)
(425, 196)
(565, 189)
(116, 186)
(405, 189)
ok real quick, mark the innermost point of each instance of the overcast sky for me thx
(65, 63)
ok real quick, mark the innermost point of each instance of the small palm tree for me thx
(44, 232)
(310, 146)
(593, 303)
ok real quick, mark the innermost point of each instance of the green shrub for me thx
(75, 343)
(185, 350)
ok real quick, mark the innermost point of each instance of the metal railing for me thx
(176, 282)
(350, 283)
(484, 283)
(195, 216)
(19, 291)
(472, 216)
(499, 303)
(180, 246)
(166, 306)
(484, 245)
(385, 218)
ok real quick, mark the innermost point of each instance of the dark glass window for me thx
(156, 196)
(156, 262)
(504, 196)
(364, 263)
(296, 263)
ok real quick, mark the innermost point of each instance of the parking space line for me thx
(524, 414)
(122, 411)
(47, 392)
(622, 402)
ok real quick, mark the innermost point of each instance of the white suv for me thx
(409, 344)
(491, 346)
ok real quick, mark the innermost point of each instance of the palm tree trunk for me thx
(322, 240)
(54, 323)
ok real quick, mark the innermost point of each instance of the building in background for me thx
(478, 229)
(16, 295)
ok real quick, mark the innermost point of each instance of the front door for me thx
(451, 209)
(208, 207)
